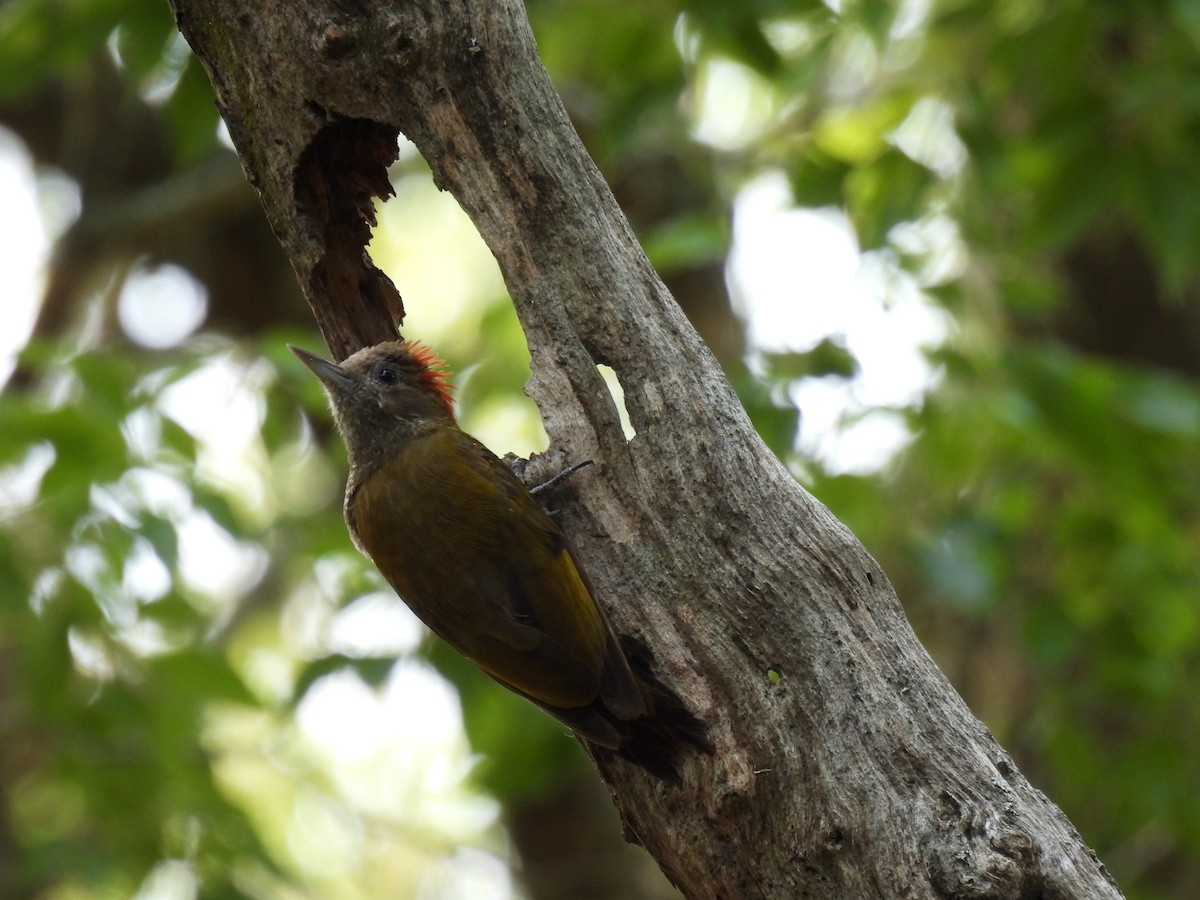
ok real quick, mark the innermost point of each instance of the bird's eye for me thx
(386, 375)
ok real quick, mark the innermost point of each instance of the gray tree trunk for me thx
(846, 766)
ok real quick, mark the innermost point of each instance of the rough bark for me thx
(845, 764)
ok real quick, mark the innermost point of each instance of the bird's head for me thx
(383, 396)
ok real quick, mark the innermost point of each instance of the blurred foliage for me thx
(105, 690)
(1040, 526)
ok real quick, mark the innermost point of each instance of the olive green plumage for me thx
(477, 559)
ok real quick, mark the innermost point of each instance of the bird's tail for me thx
(655, 741)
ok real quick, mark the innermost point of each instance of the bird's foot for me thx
(558, 479)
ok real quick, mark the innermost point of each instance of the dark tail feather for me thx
(656, 741)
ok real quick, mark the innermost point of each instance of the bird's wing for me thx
(475, 557)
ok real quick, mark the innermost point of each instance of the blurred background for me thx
(947, 251)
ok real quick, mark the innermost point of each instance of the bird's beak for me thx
(332, 375)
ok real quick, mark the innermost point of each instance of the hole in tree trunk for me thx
(618, 395)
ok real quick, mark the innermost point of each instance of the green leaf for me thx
(196, 676)
(818, 179)
(372, 670)
(857, 135)
(162, 537)
(829, 357)
(687, 242)
(142, 37)
(191, 115)
(882, 195)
